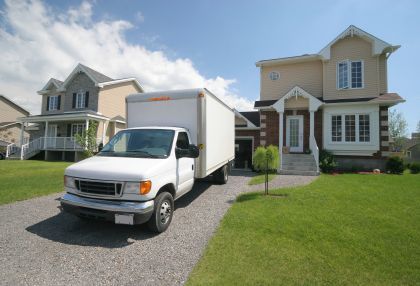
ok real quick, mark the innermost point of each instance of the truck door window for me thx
(182, 142)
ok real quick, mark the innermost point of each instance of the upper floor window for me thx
(350, 74)
(80, 99)
(53, 103)
(274, 75)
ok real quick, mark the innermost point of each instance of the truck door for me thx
(185, 166)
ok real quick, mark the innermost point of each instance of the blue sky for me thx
(225, 38)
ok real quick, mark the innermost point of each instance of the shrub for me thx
(395, 165)
(327, 162)
(414, 168)
(261, 154)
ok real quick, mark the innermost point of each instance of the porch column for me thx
(22, 129)
(104, 127)
(45, 134)
(280, 140)
(311, 124)
(86, 131)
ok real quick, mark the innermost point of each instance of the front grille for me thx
(99, 188)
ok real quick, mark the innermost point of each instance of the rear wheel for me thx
(221, 176)
(162, 213)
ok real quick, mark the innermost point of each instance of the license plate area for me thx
(124, 219)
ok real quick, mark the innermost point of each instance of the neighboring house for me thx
(67, 108)
(411, 148)
(10, 127)
(337, 100)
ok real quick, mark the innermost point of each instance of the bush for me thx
(261, 154)
(395, 165)
(327, 162)
(414, 168)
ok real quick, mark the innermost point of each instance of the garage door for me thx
(243, 153)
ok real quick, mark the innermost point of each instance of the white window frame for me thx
(80, 99)
(53, 103)
(343, 129)
(82, 125)
(349, 77)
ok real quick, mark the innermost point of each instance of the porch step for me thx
(299, 164)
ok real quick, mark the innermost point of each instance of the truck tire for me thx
(162, 213)
(221, 176)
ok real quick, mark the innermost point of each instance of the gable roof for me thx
(98, 78)
(14, 105)
(378, 47)
(253, 116)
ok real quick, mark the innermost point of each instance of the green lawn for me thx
(21, 180)
(260, 179)
(339, 230)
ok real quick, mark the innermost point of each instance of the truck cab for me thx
(123, 180)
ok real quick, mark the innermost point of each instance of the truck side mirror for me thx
(191, 152)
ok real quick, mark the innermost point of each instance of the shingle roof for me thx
(99, 77)
(56, 81)
(253, 116)
(264, 103)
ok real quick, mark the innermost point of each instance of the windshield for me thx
(145, 143)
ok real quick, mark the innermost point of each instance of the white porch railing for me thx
(49, 143)
(315, 151)
(12, 149)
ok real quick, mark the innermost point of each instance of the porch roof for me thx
(66, 116)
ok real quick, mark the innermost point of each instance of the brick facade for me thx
(270, 127)
(250, 133)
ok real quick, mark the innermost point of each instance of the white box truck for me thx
(173, 138)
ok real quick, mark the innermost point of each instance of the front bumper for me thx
(105, 209)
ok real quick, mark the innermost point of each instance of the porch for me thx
(57, 133)
(294, 122)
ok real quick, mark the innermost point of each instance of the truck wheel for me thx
(221, 176)
(162, 213)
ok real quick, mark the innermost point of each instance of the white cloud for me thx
(37, 43)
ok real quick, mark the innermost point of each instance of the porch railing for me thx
(315, 151)
(12, 149)
(50, 143)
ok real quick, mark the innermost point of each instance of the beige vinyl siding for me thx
(296, 103)
(351, 48)
(307, 75)
(9, 113)
(112, 99)
(383, 77)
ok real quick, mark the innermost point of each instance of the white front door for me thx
(294, 133)
(51, 135)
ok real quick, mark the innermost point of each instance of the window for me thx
(274, 75)
(77, 128)
(356, 74)
(53, 103)
(80, 100)
(350, 122)
(182, 142)
(364, 128)
(336, 128)
(349, 74)
(355, 127)
(343, 77)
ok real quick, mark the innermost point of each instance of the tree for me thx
(88, 139)
(267, 160)
(397, 127)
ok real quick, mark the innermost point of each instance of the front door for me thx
(294, 133)
(51, 136)
(185, 166)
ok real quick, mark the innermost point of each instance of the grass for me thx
(21, 180)
(260, 179)
(340, 230)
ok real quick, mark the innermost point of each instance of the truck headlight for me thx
(141, 188)
(69, 182)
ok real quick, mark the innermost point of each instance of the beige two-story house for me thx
(10, 131)
(69, 106)
(336, 99)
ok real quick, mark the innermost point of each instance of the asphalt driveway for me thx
(41, 246)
